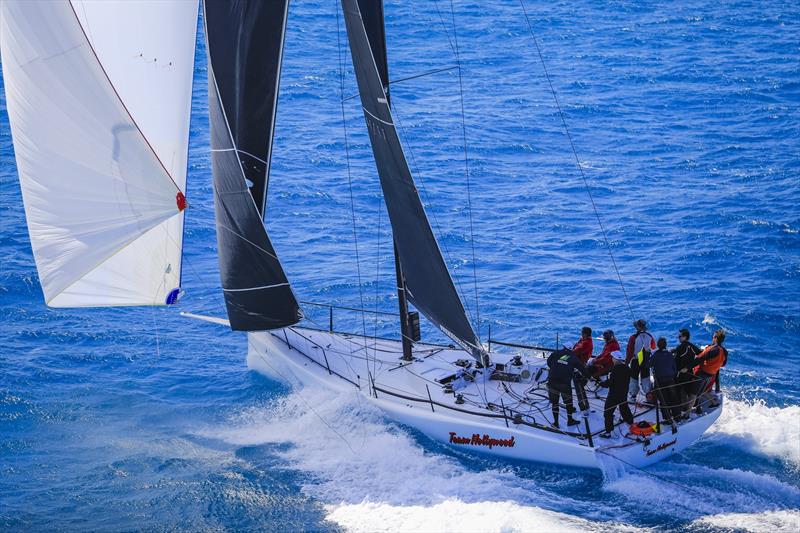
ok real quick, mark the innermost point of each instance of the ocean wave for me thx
(759, 428)
(692, 491)
(772, 521)
(457, 516)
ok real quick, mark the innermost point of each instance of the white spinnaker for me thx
(99, 97)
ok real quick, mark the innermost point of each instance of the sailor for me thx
(617, 384)
(663, 364)
(584, 347)
(564, 365)
(601, 365)
(710, 360)
(684, 354)
(637, 357)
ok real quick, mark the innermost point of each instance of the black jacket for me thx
(563, 364)
(618, 380)
(684, 355)
(663, 364)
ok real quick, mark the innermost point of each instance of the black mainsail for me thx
(429, 285)
(244, 41)
(372, 15)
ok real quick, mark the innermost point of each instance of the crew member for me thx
(584, 347)
(710, 360)
(601, 365)
(563, 366)
(663, 364)
(684, 354)
(618, 380)
(637, 355)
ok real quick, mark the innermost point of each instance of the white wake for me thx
(373, 476)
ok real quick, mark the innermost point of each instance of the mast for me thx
(429, 285)
(372, 14)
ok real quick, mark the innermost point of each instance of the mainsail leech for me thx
(244, 42)
(430, 287)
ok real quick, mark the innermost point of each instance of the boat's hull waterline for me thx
(412, 394)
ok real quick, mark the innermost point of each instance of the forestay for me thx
(429, 285)
(245, 45)
(100, 123)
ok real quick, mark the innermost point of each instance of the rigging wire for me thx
(424, 189)
(349, 178)
(466, 174)
(577, 159)
(377, 283)
(444, 26)
(409, 78)
(155, 327)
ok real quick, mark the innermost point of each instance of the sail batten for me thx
(429, 284)
(244, 42)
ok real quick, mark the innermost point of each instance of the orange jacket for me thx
(712, 359)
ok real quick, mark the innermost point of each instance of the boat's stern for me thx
(640, 452)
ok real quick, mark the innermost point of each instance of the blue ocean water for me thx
(686, 120)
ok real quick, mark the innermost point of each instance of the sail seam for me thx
(246, 239)
(257, 288)
(121, 101)
(376, 118)
(237, 150)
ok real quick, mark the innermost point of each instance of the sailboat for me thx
(99, 120)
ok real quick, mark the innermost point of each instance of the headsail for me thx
(244, 40)
(100, 123)
(429, 285)
(372, 17)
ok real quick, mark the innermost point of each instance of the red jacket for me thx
(604, 359)
(583, 349)
(604, 362)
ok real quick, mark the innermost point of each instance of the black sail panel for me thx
(257, 294)
(372, 15)
(247, 41)
(429, 285)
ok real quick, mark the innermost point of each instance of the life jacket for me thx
(643, 429)
(712, 366)
(641, 354)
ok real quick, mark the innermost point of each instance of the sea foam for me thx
(772, 431)
(371, 475)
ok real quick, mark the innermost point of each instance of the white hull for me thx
(410, 395)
